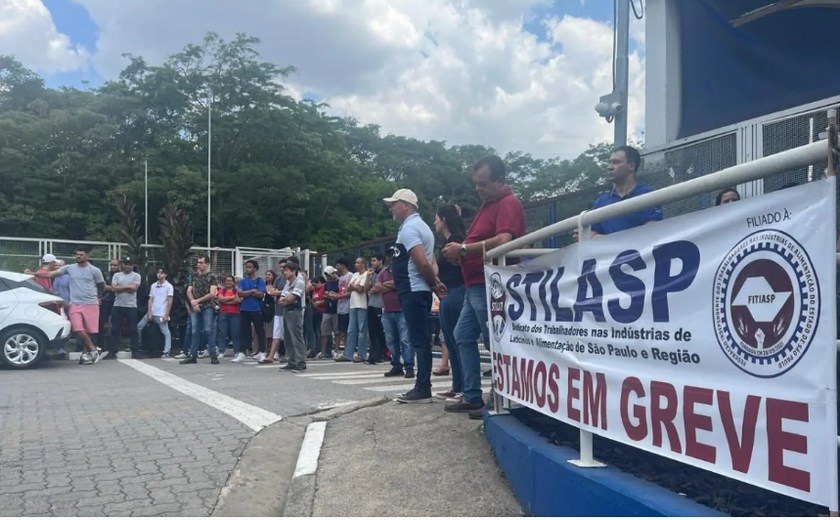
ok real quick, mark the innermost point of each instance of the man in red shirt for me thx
(47, 264)
(500, 220)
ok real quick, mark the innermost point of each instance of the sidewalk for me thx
(406, 460)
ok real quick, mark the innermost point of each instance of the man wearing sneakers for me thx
(414, 279)
(292, 300)
(160, 303)
(86, 287)
(252, 290)
(202, 300)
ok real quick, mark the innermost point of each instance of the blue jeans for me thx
(164, 329)
(203, 324)
(471, 323)
(416, 307)
(229, 331)
(357, 334)
(396, 338)
(450, 311)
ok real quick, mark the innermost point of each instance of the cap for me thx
(404, 195)
(329, 270)
(48, 258)
(127, 260)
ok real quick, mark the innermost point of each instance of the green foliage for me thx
(132, 234)
(176, 232)
(284, 172)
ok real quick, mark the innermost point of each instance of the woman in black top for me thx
(449, 224)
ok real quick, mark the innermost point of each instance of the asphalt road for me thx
(151, 437)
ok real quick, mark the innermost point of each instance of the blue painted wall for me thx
(777, 62)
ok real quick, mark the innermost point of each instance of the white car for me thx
(32, 320)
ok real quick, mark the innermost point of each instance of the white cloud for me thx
(464, 71)
(27, 31)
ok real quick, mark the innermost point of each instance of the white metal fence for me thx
(18, 254)
(807, 157)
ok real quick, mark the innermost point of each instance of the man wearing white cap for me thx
(329, 322)
(47, 265)
(414, 279)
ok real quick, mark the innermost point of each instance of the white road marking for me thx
(249, 415)
(334, 374)
(367, 381)
(397, 388)
(310, 450)
(348, 377)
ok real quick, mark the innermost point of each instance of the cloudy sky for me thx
(512, 74)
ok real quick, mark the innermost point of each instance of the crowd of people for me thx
(364, 311)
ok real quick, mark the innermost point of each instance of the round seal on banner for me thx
(498, 314)
(766, 303)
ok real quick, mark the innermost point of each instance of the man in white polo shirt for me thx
(160, 303)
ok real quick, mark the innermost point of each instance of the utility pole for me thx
(146, 178)
(209, 158)
(613, 106)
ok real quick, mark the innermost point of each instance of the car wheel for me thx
(21, 347)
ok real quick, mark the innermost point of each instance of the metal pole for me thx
(622, 65)
(209, 158)
(146, 178)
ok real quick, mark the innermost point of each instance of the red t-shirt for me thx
(318, 294)
(46, 283)
(501, 215)
(228, 308)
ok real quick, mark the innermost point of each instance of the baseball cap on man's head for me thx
(48, 258)
(127, 261)
(404, 195)
(329, 270)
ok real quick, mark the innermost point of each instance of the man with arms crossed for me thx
(124, 286)
(499, 220)
(86, 287)
(414, 279)
(252, 290)
(160, 303)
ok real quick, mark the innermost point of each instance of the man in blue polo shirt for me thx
(252, 291)
(624, 163)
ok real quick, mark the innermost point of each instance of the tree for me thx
(284, 172)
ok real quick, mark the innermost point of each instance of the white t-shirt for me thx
(358, 300)
(159, 293)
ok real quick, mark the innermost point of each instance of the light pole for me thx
(146, 179)
(209, 157)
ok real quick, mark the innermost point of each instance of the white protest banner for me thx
(707, 338)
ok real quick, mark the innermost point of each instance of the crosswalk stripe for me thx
(334, 374)
(359, 381)
(397, 388)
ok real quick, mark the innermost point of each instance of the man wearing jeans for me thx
(160, 303)
(499, 220)
(414, 279)
(202, 295)
(393, 322)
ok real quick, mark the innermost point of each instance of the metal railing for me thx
(795, 158)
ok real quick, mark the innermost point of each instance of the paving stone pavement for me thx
(109, 441)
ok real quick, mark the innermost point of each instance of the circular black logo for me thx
(766, 302)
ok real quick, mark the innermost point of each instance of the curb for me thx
(547, 485)
(302, 487)
(332, 413)
(301, 493)
(261, 479)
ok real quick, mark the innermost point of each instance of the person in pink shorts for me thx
(86, 287)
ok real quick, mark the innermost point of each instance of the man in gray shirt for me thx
(277, 343)
(124, 285)
(86, 287)
(292, 298)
